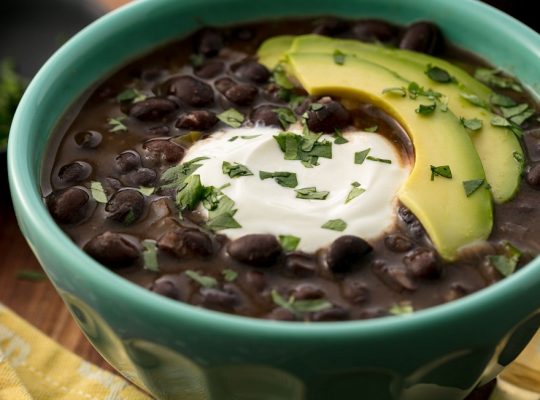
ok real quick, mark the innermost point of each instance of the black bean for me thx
(251, 70)
(199, 120)
(372, 313)
(345, 251)
(111, 185)
(456, 291)
(165, 287)
(397, 243)
(356, 291)
(241, 94)
(217, 298)
(328, 117)
(422, 263)
(395, 277)
(423, 37)
(533, 176)
(68, 206)
(75, 172)
(307, 291)
(300, 264)
(280, 314)
(224, 84)
(416, 229)
(243, 34)
(112, 249)
(125, 206)
(209, 43)
(255, 250)
(128, 161)
(334, 313)
(141, 177)
(88, 139)
(152, 109)
(160, 130)
(375, 30)
(163, 150)
(186, 243)
(256, 280)
(406, 215)
(266, 115)
(330, 26)
(209, 69)
(191, 91)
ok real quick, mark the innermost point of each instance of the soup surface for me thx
(260, 170)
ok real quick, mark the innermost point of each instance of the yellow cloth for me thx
(34, 367)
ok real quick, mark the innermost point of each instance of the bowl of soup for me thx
(293, 201)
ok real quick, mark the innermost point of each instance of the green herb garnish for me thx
(283, 178)
(11, 90)
(131, 95)
(426, 109)
(316, 106)
(506, 264)
(303, 147)
(509, 112)
(403, 308)
(174, 177)
(280, 78)
(377, 159)
(191, 194)
(472, 186)
(443, 171)
(98, 193)
(339, 57)
(116, 124)
(146, 191)
(196, 59)
(360, 157)
(339, 139)
(474, 99)
(492, 77)
(518, 157)
(204, 281)
(229, 275)
(521, 118)
(501, 100)
(473, 124)
(289, 242)
(235, 170)
(356, 191)
(371, 128)
(30, 275)
(335, 225)
(150, 255)
(399, 91)
(286, 116)
(232, 117)
(220, 210)
(311, 193)
(438, 74)
(299, 307)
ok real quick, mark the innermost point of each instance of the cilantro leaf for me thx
(301, 306)
(339, 57)
(303, 147)
(150, 255)
(443, 171)
(98, 193)
(360, 157)
(116, 124)
(381, 160)
(235, 170)
(232, 117)
(398, 91)
(501, 100)
(438, 74)
(506, 264)
(146, 191)
(339, 139)
(356, 191)
(130, 95)
(472, 186)
(493, 77)
(289, 242)
(279, 76)
(286, 116)
(174, 177)
(191, 194)
(473, 124)
(283, 178)
(403, 308)
(12, 87)
(204, 281)
(508, 112)
(311, 193)
(371, 128)
(31, 275)
(335, 225)
(473, 99)
(426, 109)
(229, 275)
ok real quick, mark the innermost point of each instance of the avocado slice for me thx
(451, 219)
(498, 148)
(273, 50)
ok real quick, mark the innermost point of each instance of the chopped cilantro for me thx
(116, 124)
(356, 191)
(399, 91)
(285, 116)
(506, 264)
(196, 60)
(311, 193)
(371, 128)
(339, 57)
(130, 95)
(280, 78)
(223, 221)
(415, 90)
(521, 118)
(360, 157)
(443, 171)
(235, 170)
(339, 139)
(11, 90)
(299, 307)
(377, 159)
(31, 275)
(438, 74)
(518, 157)
(295, 100)
(316, 106)
(472, 186)
(335, 225)
(174, 177)
(501, 100)
(150, 255)
(98, 193)
(426, 109)
(204, 281)
(232, 139)
(303, 147)
(403, 308)
(473, 99)
(473, 124)
(289, 242)
(232, 117)
(500, 121)
(191, 194)
(229, 275)
(220, 210)
(146, 191)
(493, 77)
(283, 178)
(508, 112)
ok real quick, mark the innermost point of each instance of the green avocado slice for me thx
(498, 148)
(451, 219)
(273, 50)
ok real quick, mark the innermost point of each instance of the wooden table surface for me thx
(38, 302)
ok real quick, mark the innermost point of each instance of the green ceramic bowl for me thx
(177, 351)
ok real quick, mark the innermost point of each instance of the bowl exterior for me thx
(176, 351)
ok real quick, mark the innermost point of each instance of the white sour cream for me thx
(266, 207)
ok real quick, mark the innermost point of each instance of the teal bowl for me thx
(177, 351)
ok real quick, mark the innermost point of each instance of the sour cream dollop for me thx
(264, 206)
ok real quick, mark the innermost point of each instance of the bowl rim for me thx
(32, 212)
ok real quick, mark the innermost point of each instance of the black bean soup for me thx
(102, 182)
